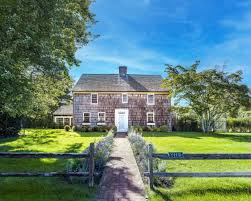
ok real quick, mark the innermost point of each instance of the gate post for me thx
(150, 165)
(91, 165)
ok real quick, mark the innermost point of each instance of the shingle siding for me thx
(108, 102)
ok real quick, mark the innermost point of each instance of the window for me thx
(150, 117)
(124, 98)
(67, 121)
(86, 117)
(150, 99)
(59, 120)
(94, 98)
(101, 117)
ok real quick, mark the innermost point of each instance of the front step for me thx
(121, 135)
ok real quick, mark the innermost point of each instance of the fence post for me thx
(91, 165)
(150, 165)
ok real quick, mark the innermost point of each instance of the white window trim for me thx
(150, 123)
(153, 99)
(98, 116)
(126, 98)
(101, 124)
(87, 123)
(63, 117)
(91, 98)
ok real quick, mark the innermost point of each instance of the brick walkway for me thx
(121, 180)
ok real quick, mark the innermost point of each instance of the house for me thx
(122, 99)
(64, 115)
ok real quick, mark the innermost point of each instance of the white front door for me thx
(121, 120)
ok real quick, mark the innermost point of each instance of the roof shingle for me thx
(114, 82)
(64, 110)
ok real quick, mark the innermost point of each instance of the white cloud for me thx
(135, 57)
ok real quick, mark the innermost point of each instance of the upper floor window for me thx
(94, 98)
(150, 99)
(124, 98)
(86, 117)
(150, 117)
(101, 117)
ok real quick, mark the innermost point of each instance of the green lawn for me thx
(44, 189)
(204, 189)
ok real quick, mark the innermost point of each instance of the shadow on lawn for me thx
(197, 135)
(200, 192)
(220, 191)
(91, 134)
(163, 195)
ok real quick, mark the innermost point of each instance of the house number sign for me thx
(175, 155)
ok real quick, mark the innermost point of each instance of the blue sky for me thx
(146, 34)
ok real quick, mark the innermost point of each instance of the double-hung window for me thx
(150, 99)
(94, 98)
(124, 98)
(101, 117)
(86, 118)
(150, 118)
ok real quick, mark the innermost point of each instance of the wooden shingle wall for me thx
(108, 102)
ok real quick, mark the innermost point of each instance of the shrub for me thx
(239, 124)
(67, 128)
(95, 128)
(8, 132)
(103, 151)
(140, 150)
(9, 126)
(101, 155)
(137, 129)
(163, 128)
(146, 128)
(74, 128)
(85, 128)
(186, 124)
(114, 128)
(104, 128)
(139, 147)
(156, 129)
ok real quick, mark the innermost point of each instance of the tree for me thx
(38, 41)
(210, 93)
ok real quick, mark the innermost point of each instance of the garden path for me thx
(121, 179)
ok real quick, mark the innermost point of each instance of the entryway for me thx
(121, 120)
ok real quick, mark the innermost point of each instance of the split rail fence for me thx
(196, 156)
(89, 156)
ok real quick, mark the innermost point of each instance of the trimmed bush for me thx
(67, 128)
(137, 129)
(85, 129)
(163, 128)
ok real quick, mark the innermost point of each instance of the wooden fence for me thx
(197, 156)
(89, 174)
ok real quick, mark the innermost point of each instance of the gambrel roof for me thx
(118, 83)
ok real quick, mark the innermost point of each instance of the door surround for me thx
(121, 119)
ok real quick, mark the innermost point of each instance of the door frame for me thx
(117, 118)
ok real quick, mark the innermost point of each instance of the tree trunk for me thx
(207, 123)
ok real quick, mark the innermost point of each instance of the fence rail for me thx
(200, 156)
(181, 156)
(90, 156)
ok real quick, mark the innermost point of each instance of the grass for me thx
(204, 189)
(44, 189)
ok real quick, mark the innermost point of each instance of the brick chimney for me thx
(122, 71)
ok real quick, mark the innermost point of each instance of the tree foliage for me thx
(38, 41)
(210, 93)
